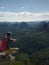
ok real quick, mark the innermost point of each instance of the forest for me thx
(33, 41)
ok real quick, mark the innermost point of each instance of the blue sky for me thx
(18, 10)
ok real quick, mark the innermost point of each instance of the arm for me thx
(13, 40)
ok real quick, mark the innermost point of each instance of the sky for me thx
(24, 10)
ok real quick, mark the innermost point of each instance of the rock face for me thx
(12, 58)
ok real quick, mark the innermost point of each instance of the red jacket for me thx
(4, 45)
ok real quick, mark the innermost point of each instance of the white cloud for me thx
(23, 16)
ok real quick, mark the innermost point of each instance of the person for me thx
(5, 44)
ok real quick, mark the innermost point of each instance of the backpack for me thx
(4, 45)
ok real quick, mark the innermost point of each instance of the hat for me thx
(9, 33)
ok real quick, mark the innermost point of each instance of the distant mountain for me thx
(15, 24)
(43, 26)
(23, 25)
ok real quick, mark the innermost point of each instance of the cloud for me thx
(23, 16)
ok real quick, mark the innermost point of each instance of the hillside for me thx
(33, 42)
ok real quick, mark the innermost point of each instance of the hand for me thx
(14, 40)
